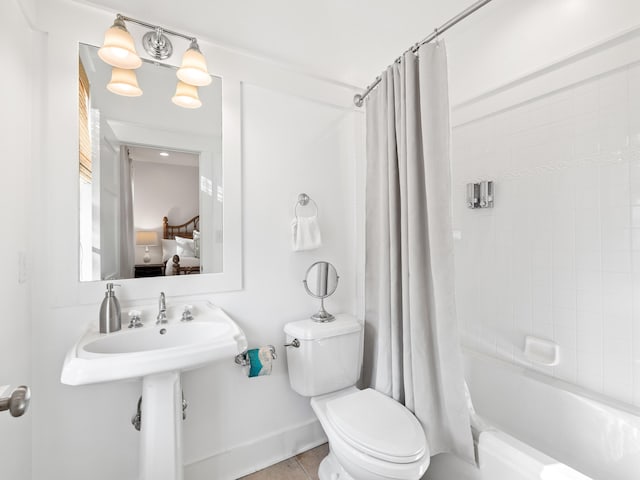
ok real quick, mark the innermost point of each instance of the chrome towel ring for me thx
(303, 201)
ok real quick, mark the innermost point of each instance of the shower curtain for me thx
(412, 348)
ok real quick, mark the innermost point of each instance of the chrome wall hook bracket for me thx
(480, 195)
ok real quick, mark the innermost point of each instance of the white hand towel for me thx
(305, 233)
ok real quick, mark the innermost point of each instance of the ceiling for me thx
(153, 155)
(350, 41)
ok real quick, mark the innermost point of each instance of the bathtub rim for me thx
(528, 370)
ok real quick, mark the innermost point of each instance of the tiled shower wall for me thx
(558, 256)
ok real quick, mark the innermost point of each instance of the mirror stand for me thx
(320, 282)
(322, 315)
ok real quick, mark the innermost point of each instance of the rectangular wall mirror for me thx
(150, 183)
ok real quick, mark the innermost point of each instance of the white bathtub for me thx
(546, 429)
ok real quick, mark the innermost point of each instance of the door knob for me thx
(18, 402)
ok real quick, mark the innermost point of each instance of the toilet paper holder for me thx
(242, 359)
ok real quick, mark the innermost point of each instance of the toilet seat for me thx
(378, 426)
(350, 453)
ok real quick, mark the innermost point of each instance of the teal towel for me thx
(260, 361)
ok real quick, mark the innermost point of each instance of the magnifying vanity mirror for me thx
(150, 185)
(321, 281)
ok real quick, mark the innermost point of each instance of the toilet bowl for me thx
(371, 436)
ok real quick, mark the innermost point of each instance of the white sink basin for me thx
(157, 354)
(137, 352)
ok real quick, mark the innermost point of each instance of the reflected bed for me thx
(181, 247)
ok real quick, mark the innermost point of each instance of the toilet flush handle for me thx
(294, 343)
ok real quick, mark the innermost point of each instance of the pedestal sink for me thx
(157, 354)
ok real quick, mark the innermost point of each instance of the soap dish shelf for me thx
(541, 352)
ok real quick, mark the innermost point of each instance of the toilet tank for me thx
(329, 357)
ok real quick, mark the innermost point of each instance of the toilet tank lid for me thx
(310, 330)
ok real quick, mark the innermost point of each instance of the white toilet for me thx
(371, 436)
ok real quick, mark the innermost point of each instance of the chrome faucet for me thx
(162, 310)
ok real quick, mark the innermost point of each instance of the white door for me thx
(16, 190)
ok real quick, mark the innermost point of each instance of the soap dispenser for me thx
(110, 315)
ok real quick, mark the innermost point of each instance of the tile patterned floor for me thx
(301, 467)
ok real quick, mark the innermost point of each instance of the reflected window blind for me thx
(85, 135)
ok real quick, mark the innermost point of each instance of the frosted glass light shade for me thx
(118, 49)
(194, 67)
(124, 82)
(186, 96)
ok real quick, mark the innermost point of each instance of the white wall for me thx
(296, 137)
(17, 122)
(508, 40)
(557, 256)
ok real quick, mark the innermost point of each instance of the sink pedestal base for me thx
(161, 428)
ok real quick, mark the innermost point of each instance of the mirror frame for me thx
(61, 195)
(305, 282)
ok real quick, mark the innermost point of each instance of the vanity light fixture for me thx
(186, 96)
(119, 51)
(164, 154)
(124, 82)
(193, 70)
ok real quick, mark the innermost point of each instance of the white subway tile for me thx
(616, 261)
(634, 180)
(564, 320)
(543, 330)
(588, 189)
(564, 279)
(618, 373)
(589, 301)
(617, 330)
(588, 259)
(589, 328)
(614, 185)
(590, 370)
(567, 368)
(589, 281)
(613, 90)
(563, 242)
(616, 305)
(585, 99)
(614, 217)
(564, 298)
(636, 385)
(635, 216)
(616, 238)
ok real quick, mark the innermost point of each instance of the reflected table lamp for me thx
(146, 239)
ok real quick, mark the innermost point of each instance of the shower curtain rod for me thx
(359, 98)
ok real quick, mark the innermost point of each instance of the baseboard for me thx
(243, 459)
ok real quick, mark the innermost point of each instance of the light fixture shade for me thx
(124, 82)
(146, 238)
(194, 67)
(118, 49)
(186, 96)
